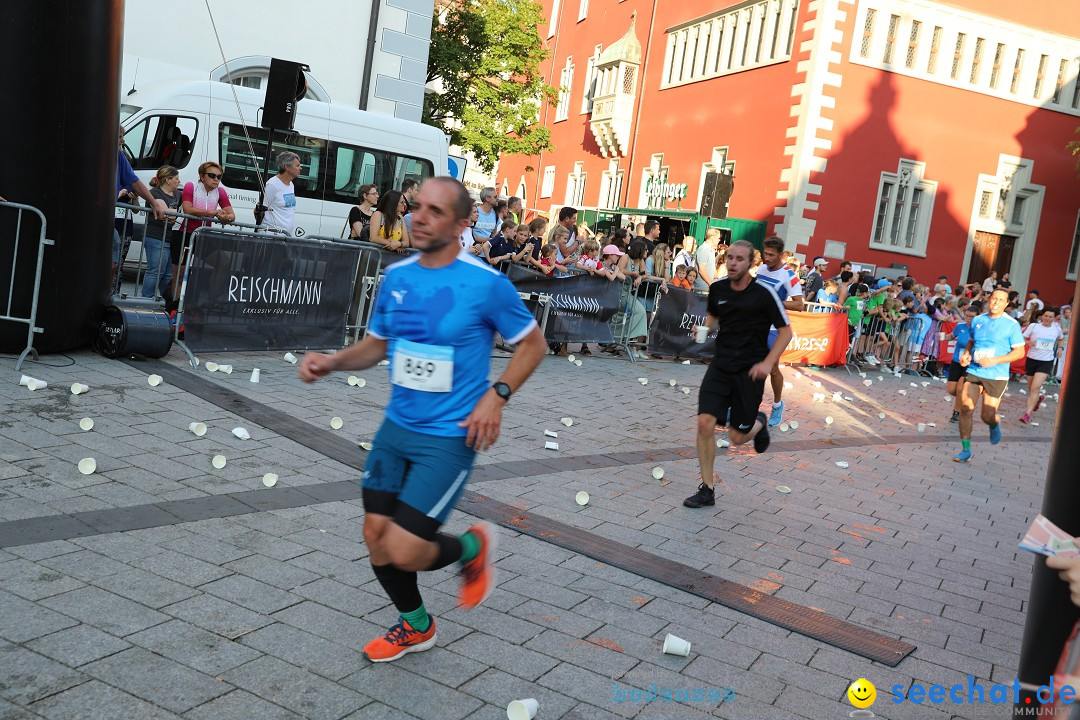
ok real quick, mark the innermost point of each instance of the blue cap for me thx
(883, 283)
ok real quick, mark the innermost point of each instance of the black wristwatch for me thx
(503, 390)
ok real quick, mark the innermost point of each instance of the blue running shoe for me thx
(777, 415)
(995, 434)
(964, 456)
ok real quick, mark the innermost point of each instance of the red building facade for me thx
(879, 131)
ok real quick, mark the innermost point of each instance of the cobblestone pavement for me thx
(161, 587)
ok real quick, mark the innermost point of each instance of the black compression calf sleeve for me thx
(400, 587)
(449, 551)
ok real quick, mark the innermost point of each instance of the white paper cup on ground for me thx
(658, 473)
(567, 421)
(702, 334)
(829, 420)
(255, 375)
(26, 381)
(360, 382)
(784, 427)
(227, 369)
(198, 428)
(672, 382)
(643, 381)
(522, 709)
(366, 445)
(551, 445)
(289, 358)
(685, 362)
(211, 366)
(582, 498)
(79, 388)
(551, 433)
(676, 645)
(87, 466)
(842, 465)
(38, 385)
(352, 380)
(794, 424)
(578, 363)
(921, 427)
(218, 461)
(685, 391)
(241, 433)
(154, 380)
(86, 424)
(723, 442)
(783, 489)
(270, 479)
(867, 383)
(571, 358)
(881, 415)
(336, 423)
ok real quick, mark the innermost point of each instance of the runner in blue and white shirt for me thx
(994, 344)
(442, 408)
(785, 283)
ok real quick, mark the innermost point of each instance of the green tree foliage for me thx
(486, 55)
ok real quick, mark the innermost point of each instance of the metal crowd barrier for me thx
(901, 345)
(31, 319)
(127, 214)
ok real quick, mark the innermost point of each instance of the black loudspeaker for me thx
(286, 85)
(125, 331)
(717, 194)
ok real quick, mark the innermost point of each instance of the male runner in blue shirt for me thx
(994, 344)
(435, 317)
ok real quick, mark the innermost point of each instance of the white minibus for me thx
(340, 148)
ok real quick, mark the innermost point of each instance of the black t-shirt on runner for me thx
(745, 318)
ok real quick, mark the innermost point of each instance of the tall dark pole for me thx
(60, 144)
(1050, 613)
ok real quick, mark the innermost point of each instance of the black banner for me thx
(247, 292)
(672, 331)
(581, 307)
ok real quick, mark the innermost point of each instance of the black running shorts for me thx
(722, 390)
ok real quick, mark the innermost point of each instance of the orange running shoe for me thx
(478, 575)
(400, 640)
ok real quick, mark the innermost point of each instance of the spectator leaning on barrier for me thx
(652, 234)
(487, 219)
(513, 206)
(360, 215)
(158, 242)
(815, 279)
(127, 179)
(685, 254)
(387, 225)
(705, 259)
(568, 245)
(537, 228)
(501, 247)
(280, 197)
(467, 239)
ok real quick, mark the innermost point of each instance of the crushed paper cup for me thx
(867, 383)
(658, 473)
(86, 424)
(849, 398)
(198, 428)
(842, 465)
(79, 388)
(551, 433)
(921, 427)
(784, 427)
(522, 709)
(383, 363)
(255, 375)
(218, 461)
(880, 379)
(676, 646)
(567, 421)
(925, 383)
(289, 358)
(1023, 391)
(881, 415)
(154, 380)
(366, 445)
(686, 391)
(723, 442)
(1034, 424)
(270, 479)
(582, 498)
(836, 396)
(336, 423)
(241, 433)
(571, 358)
(685, 362)
(817, 383)
(829, 420)
(551, 445)
(672, 382)
(578, 363)
(862, 374)
(643, 381)
(87, 466)
(901, 391)
(794, 424)
(933, 425)
(212, 366)
(783, 489)
(913, 385)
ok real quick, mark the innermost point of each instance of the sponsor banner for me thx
(819, 338)
(581, 307)
(246, 292)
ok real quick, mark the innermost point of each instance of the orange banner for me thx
(819, 339)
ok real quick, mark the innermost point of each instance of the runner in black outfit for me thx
(743, 310)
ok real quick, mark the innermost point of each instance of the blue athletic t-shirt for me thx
(434, 316)
(994, 337)
(962, 333)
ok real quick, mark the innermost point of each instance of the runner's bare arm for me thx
(485, 420)
(360, 356)
(763, 368)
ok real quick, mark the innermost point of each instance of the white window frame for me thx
(592, 81)
(908, 179)
(566, 87)
(547, 185)
(611, 185)
(1073, 268)
(583, 10)
(553, 23)
(575, 185)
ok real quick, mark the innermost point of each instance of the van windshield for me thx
(127, 111)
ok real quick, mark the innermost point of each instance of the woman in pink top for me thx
(205, 198)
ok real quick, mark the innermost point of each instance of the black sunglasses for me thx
(214, 176)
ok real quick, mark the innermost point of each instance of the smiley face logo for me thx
(862, 693)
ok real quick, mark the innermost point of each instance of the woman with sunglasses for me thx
(206, 198)
(388, 224)
(360, 215)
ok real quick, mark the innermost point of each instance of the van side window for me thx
(352, 166)
(240, 167)
(161, 140)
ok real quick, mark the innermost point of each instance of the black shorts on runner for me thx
(1038, 366)
(722, 390)
(956, 371)
(993, 388)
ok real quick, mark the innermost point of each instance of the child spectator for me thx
(856, 309)
(537, 226)
(547, 263)
(828, 296)
(680, 280)
(501, 247)
(590, 257)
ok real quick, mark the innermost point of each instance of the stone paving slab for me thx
(258, 609)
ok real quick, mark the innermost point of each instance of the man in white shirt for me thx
(990, 283)
(487, 220)
(1033, 300)
(280, 198)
